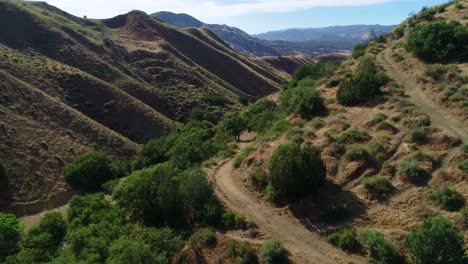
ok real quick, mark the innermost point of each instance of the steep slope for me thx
(103, 85)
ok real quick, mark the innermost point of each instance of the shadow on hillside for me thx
(330, 206)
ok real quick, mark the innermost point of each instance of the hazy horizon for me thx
(259, 16)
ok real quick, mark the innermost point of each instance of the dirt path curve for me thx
(304, 245)
(440, 117)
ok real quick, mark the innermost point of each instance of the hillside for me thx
(313, 41)
(71, 85)
(355, 33)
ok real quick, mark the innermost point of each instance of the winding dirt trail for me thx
(304, 245)
(440, 116)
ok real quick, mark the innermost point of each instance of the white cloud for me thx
(205, 10)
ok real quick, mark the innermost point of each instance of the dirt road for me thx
(304, 245)
(440, 116)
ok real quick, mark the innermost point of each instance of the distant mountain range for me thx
(312, 41)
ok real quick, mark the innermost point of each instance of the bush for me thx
(464, 148)
(436, 72)
(364, 84)
(203, 238)
(294, 171)
(232, 220)
(334, 81)
(448, 198)
(410, 170)
(127, 250)
(313, 72)
(359, 50)
(261, 115)
(435, 241)
(305, 101)
(45, 239)
(89, 171)
(377, 185)
(242, 253)
(439, 41)
(378, 118)
(352, 136)
(417, 135)
(317, 123)
(10, 234)
(379, 249)
(345, 239)
(357, 153)
(151, 153)
(462, 218)
(463, 165)
(273, 252)
(385, 126)
(216, 100)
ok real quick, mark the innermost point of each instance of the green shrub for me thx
(89, 171)
(364, 84)
(439, 41)
(379, 249)
(241, 253)
(45, 239)
(357, 153)
(410, 170)
(378, 118)
(334, 81)
(377, 185)
(352, 136)
(241, 156)
(317, 122)
(305, 101)
(232, 220)
(127, 250)
(448, 198)
(359, 50)
(345, 239)
(463, 165)
(273, 252)
(417, 135)
(398, 32)
(312, 72)
(261, 115)
(10, 234)
(152, 153)
(385, 126)
(435, 241)
(462, 218)
(294, 172)
(216, 100)
(436, 72)
(464, 148)
(203, 238)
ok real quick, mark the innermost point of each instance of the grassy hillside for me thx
(111, 84)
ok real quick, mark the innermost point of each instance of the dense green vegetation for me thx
(439, 41)
(363, 85)
(295, 172)
(345, 239)
(10, 234)
(302, 100)
(359, 50)
(435, 241)
(377, 185)
(89, 171)
(308, 75)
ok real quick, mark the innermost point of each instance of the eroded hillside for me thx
(125, 80)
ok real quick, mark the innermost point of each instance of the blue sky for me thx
(256, 16)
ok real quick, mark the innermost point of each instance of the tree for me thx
(436, 241)
(151, 153)
(295, 171)
(10, 234)
(89, 171)
(235, 124)
(151, 195)
(46, 238)
(439, 41)
(303, 100)
(196, 192)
